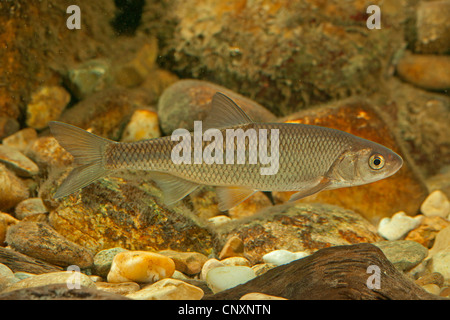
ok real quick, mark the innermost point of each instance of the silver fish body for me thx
(307, 158)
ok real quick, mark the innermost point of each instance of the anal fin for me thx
(309, 190)
(173, 188)
(232, 196)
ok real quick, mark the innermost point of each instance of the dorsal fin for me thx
(224, 113)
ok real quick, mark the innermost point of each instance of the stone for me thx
(89, 77)
(223, 278)
(17, 162)
(122, 288)
(259, 296)
(436, 204)
(12, 189)
(234, 247)
(6, 221)
(40, 241)
(404, 191)
(280, 257)
(46, 105)
(425, 71)
(47, 153)
(143, 125)
(189, 263)
(433, 28)
(250, 206)
(23, 275)
(441, 242)
(208, 265)
(19, 262)
(8, 126)
(140, 266)
(299, 227)
(103, 260)
(426, 232)
(21, 139)
(431, 278)
(29, 207)
(432, 288)
(132, 215)
(168, 289)
(219, 220)
(262, 268)
(63, 277)
(186, 101)
(6, 277)
(236, 261)
(403, 254)
(398, 226)
(445, 292)
(440, 262)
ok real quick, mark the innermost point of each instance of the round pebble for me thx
(398, 226)
(168, 289)
(6, 276)
(436, 204)
(208, 265)
(219, 220)
(222, 278)
(140, 266)
(103, 260)
(260, 296)
(280, 257)
(432, 288)
(142, 126)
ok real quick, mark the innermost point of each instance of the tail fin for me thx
(88, 150)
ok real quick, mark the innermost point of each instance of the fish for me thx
(296, 157)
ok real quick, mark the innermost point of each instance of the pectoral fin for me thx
(311, 189)
(232, 196)
(173, 188)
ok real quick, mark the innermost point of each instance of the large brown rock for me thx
(404, 191)
(298, 227)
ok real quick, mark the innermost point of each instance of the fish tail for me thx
(88, 151)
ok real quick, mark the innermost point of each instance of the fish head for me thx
(365, 163)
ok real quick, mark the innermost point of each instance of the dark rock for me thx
(39, 241)
(337, 273)
(19, 262)
(12, 189)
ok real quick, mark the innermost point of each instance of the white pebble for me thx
(436, 204)
(219, 220)
(208, 265)
(222, 278)
(279, 257)
(398, 226)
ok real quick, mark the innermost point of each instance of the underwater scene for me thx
(225, 150)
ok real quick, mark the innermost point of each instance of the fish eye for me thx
(376, 161)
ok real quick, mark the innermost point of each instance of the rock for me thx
(250, 206)
(316, 277)
(404, 191)
(432, 278)
(262, 268)
(17, 162)
(223, 278)
(6, 221)
(6, 277)
(433, 28)
(445, 292)
(67, 278)
(425, 71)
(436, 204)
(432, 288)
(208, 265)
(23, 275)
(133, 216)
(284, 42)
(398, 226)
(189, 263)
(403, 254)
(21, 139)
(40, 241)
(299, 227)
(47, 153)
(140, 266)
(103, 260)
(143, 125)
(122, 288)
(59, 292)
(234, 247)
(442, 241)
(155, 84)
(89, 77)
(12, 189)
(236, 261)
(426, 232)
(30, 207)
(280, 257)
(168, 289)
(440, 262)
(46, 105)
(219, 220)
(188, 100)
(259, 296)
(8, 126)
(18, 262)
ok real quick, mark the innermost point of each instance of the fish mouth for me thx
(396, 162)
